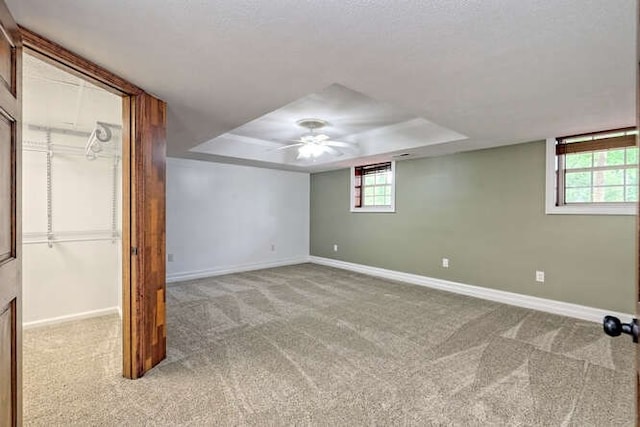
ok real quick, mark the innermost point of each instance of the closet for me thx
(71, 182)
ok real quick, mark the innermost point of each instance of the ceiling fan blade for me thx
(332, 150)
(337, 144)
(286, 147)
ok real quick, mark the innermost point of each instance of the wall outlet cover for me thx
(540, 276)
(445, 262)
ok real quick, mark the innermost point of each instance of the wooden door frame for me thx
(637, 247)
(11, 261)
(637, 230)
(133, 350)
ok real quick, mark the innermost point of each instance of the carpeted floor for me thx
(315, 345)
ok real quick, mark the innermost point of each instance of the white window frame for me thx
(586, 209)
(387, 209)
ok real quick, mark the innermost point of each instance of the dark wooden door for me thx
(10, 225)
(144, 341)
(638, 219)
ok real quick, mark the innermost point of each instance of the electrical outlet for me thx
(170, 257)
(335, 248)
(273, 247)
(445, 262)
(540, 276)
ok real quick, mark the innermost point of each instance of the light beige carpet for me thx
(314, 345)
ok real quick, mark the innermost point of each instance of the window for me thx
(373, 188)
(593, 173)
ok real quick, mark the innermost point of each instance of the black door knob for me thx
(614, 327)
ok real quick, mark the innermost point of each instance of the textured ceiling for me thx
(497, 71)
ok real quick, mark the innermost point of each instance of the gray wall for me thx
(484, 210)
(223, 217)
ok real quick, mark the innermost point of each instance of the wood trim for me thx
(8, 91)
(11, 267)
(17, 205)
(128, 126)
(10, 25)
(136, 293)
(596, 144)
(637, 246)
(357, 189)
(148, 271)
(47, 49)
(6, 98)
(596, 133)
(17, 223)
(16, 349)
(374, 168)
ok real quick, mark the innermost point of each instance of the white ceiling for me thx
(369, 127)
(56, 99)
(496, 71)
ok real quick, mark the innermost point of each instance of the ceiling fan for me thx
(311, 144)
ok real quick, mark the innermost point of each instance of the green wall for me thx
(484, 210)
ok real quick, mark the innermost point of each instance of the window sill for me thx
(593, 210)
(374, 210)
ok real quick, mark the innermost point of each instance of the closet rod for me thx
(42, 144)
(68, 151)
(71, 239)
(63, 131)
(69, 236)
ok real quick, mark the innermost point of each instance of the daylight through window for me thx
(373, 187)
(598, 168)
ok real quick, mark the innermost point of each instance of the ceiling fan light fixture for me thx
(309, 151)
(314, 138)
(311, 144)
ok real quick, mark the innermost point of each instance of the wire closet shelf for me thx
(100, 145)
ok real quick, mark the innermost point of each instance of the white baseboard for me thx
(219, 271)
(541, 304)
(70, 317)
